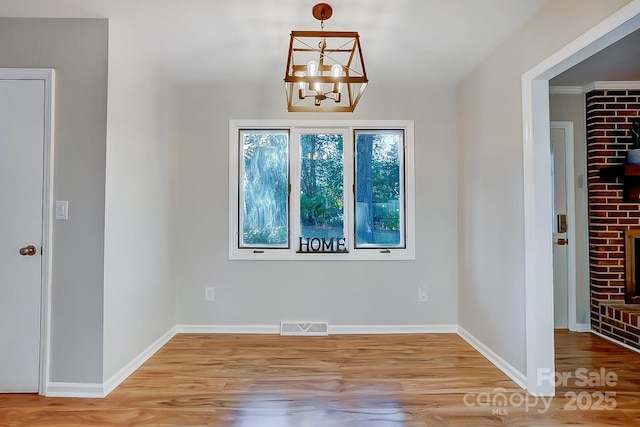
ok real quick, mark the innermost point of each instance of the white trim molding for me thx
(333, 329)
(228, 329)
(392, 329)
(566, 90)
(583, 327)
(631, 85)
(78, 390)
(131, 367)
(599, 85)
(97, 390)
(518, 377)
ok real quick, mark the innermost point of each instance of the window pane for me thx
(321, 186)
(379, 219)
(264, 183)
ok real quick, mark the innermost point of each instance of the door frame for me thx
(47, 75)
(540, 352)
(569, 170)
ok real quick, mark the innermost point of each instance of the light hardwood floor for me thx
(355, 381)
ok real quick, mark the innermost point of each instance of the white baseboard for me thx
(130, 367)
(81, 390)
(96, 390)
(508, 369)
(615, 342)
(583, 327)
(333, 329)
(392, 329)
(228, 329)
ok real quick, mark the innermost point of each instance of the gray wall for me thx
(571, 108)
(341, 292)
(77, 50)
(490, 167)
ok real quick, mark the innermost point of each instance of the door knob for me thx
(28, 250)
(563, 242)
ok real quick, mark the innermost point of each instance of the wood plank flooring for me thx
(339, 381)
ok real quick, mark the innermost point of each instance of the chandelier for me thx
(325, 69)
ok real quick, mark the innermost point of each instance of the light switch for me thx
(62, 209)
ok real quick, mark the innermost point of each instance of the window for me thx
(379, 188)
(321, 190)
(264, 195)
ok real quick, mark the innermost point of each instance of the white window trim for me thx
(348, 126)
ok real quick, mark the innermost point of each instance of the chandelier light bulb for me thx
(312, 68)
(300, 74)
(300, 84)
(336, 71)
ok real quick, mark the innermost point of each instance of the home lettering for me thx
(321, 244)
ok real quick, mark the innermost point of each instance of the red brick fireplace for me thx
(610, 114)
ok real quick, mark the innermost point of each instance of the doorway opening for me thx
(537, 187)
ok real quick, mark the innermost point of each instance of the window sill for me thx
(353, 255)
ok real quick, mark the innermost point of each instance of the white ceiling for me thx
(435, 41)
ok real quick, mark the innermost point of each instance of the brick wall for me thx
(609, 117)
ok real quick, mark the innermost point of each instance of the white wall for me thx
(572, 108)
(341, 292)
(77, 49)
(139, 290)
(490, 167)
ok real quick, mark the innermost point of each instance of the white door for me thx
(22, 124)
(564, 293)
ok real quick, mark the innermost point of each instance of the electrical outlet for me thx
(423, 294)
(209, 294)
